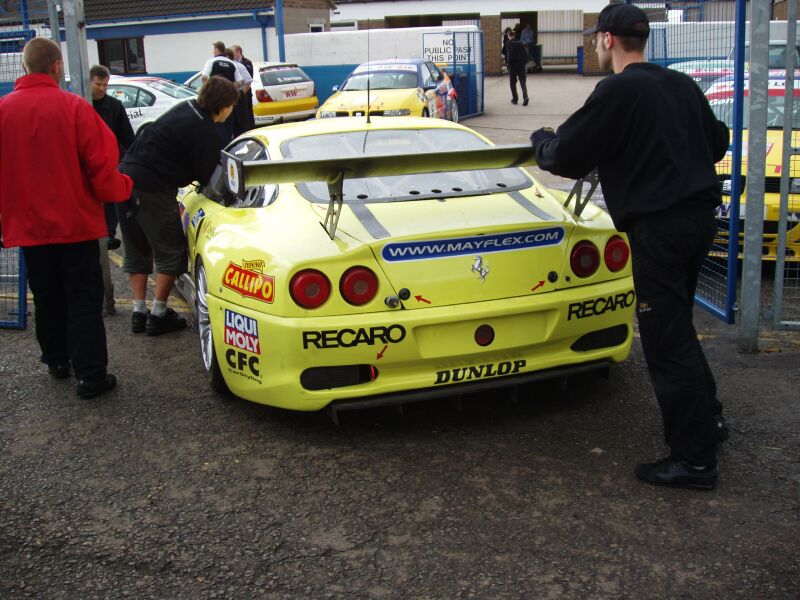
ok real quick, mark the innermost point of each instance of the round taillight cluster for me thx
(616, 254)
(584, 259)
(310, 288)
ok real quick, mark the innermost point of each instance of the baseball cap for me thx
(622, 19)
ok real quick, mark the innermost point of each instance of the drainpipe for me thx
(279, 27)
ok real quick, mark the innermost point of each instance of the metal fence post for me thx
(756, 166)
(75, 30)
(788, 152)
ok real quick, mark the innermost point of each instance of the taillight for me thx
(358, 285)
(310, 288)
(263, 96)
(584, 259)
(616, 254)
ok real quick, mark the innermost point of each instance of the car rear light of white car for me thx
(616, 254)
(358, 285)
(310, 288)
(263, 96)
(584, 259)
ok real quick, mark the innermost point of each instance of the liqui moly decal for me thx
(241, 332)
(503, 242)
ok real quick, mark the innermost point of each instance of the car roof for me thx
(261, 65)
(277, 134)
(395, 61)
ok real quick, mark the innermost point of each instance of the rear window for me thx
(401, 187)
(282, 76)
(172, 89)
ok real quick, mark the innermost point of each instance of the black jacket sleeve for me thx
(720, 134)
(583, 139)
(124, 131)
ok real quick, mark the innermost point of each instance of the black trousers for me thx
(111, 218)
(67, 286)
(668, 250)
(518, 72)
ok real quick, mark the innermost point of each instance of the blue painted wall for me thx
(327, 76)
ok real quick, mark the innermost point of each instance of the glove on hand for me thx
(540, 136)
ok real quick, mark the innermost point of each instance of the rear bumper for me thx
(267, 113)
(391, 356)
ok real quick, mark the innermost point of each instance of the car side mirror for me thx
(431, 85)
(335, 88)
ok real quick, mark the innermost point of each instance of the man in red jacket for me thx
(58, 163)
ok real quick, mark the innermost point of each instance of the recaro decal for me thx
(599, 306)
(504, 242)
(347, 338)
(249, 281)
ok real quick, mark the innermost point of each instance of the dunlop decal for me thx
(500, 369)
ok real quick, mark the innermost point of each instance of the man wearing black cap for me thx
(654, 140)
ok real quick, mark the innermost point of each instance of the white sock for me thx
(159, 307)
(140, 306)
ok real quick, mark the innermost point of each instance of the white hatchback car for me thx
(281, 92)
(147, 98)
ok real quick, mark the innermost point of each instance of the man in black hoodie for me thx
(517, 58)
(179, 147)
(655, 140)
(113, 114)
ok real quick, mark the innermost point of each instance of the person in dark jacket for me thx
(179, 147)
(249, 118)
(59, 165)
(113, 114)
(655, 140)
(517, 58)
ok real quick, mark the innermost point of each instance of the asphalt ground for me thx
(162, 489)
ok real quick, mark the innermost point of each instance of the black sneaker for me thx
(114, 243)
(59, 370)
(514, 101)
(721, 428)
(525, 102)
(89, 388)
(139, 321)
(677, 473)
(169, 322)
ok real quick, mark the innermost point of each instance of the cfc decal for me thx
(599, 306)
(507, 367)
(347, 338)
(249, 280)
(243, 364)
(241, 332)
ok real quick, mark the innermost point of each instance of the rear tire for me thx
(454, 112)
(207, 351)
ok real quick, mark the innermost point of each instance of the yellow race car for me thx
(343, 264)
(720, 95)
(394, 88)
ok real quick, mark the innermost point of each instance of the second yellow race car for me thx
(394, 88)
(342, 264)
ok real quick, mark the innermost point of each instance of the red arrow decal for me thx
(537, 286)
(421, 299)
(380, 354)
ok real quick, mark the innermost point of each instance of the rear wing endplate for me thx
(247, 174)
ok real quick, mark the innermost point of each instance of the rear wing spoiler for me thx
(247, 174)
